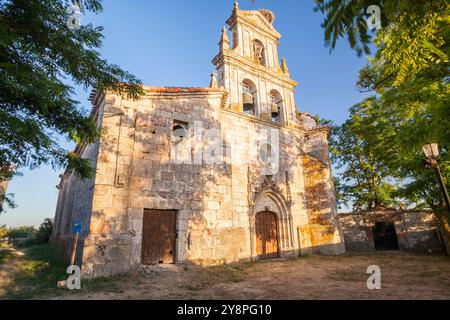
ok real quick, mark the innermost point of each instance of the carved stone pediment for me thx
(268, 183)
(262, 19)
(258, 185)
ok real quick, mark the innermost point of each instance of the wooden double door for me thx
(266, 235)
(159, 237)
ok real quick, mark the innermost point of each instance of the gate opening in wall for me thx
(385, 236)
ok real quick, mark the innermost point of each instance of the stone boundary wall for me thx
(416, 230)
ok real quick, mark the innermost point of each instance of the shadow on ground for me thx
(404, 276)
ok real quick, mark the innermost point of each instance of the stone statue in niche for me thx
(258, 50)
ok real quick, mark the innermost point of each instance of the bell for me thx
(275, 116)
(274, 108)
(249, 108)
(248, 98)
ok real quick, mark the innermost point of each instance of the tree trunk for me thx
(443, 226)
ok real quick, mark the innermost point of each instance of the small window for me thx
(180, 131)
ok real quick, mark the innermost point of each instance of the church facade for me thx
(227, 173)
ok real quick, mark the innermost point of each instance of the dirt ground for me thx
(403, 276)
(8, 266)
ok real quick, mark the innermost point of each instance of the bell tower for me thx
(249, 69)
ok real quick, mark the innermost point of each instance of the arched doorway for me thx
(266, 227)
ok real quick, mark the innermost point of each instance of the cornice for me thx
(233, 59)
(265, 122)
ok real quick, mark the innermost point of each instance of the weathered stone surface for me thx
(141, 164)
(416, 230)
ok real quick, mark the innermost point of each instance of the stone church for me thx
(226, 173)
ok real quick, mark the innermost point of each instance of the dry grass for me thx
(404, 276)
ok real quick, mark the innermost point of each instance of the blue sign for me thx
(77, 227)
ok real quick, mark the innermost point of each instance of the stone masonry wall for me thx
(416, 230)
(74, 205)
(135, 173)
(215, 203)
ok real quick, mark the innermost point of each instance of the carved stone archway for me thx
(273, 201)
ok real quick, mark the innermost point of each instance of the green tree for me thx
(38, 54)
(413, 34)
(410, 73)
(44, 232)
(363, 150)
(22, 233)
(3, 232)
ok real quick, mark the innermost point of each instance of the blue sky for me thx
(172, 43)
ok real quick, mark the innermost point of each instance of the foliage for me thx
(3, 232)
(412, 27)
(6, 200)
(44, 232)
(22, 233)
(346, 18)
(37, 273)
(5, 256)
(410, 75)
(30, 235)
(363, 149)
(38, 55)
(410, 72)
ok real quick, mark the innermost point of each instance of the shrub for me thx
(21, 233)
(44, 232)
(3, 232)
(26, 236)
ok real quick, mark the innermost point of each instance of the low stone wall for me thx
(416, 230)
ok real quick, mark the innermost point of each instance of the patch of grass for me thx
(37, 274)
(109, 284)
(5, 256)
(4, 244)
(227, 273)
(204, 277)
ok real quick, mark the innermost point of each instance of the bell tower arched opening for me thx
(249, 97)
(276, 106)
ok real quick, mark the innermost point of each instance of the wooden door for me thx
(267, 235)
(159, 237)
